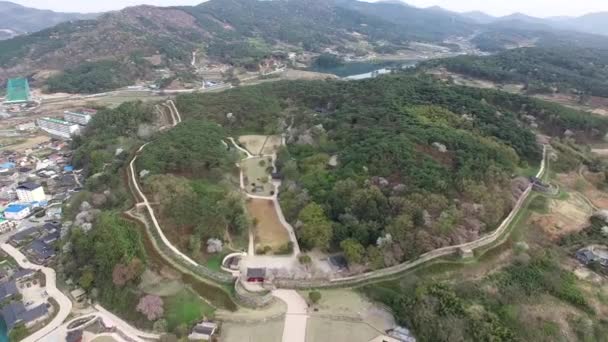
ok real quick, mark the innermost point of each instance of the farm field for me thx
(323, 329)
(564, 216)
(349, 303)
(23, 144)
(269, 231)
(271, 331)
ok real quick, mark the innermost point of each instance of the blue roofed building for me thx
(8, 289)
(24, 236)
(7, 166)
(40, 252)
(16, 211)
(15, 313)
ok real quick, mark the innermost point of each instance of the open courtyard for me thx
(256, 176)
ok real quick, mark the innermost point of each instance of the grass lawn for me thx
(185, 308)
(256, 175)
(214, 262)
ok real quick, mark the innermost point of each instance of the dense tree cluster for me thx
(418, 164)
(193, 147)
(194, 211)
(189, 165)
(90, 77)
(488, 309)
(542, 70)
(109, 130)
(93, 258)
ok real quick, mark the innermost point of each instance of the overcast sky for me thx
(539, 8)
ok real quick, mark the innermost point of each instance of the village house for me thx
(256, 275)
(22, 275)
(8, 289)
(16, 212)
(15, 313)
(203, 331)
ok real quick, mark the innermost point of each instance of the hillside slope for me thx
(541, 69)
(239, 32)
(20, 19)
(145, 41)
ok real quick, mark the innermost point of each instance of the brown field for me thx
(269, 230)
(29, 142)
(565, 216)
(291, 74)
(261, 144)
(587, 185)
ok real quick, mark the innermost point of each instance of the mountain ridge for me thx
(21, 19)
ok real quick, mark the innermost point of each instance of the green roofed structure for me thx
(17, 91)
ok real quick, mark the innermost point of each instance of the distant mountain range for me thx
(596, 23)
(16, 19)
(139, 40)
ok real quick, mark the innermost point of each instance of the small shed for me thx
(256, 275)
(203, 331)
(78, 294)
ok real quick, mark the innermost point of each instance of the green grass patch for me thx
(185, 308)
(214, 262)
(528, 170)
(539, 204)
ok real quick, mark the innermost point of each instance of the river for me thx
(362, 70)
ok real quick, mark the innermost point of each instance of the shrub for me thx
(286, 249)
(304, 259)
(314, 296)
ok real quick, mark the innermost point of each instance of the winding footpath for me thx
(275, 200)
(133, 175)
(65, 304)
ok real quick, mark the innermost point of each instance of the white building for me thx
(27, 126)
(79, 118)
(58, 127)
(30, 192)
(16, 212)
(6, 225)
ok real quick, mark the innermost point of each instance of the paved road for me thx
(109, 320)
(296, 317)
(65, 304)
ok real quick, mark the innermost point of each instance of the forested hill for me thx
(544, 70)
(137, 41)
(20, 19)
(416, 164)
(240, 32)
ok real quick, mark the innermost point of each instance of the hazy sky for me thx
(540, 8)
